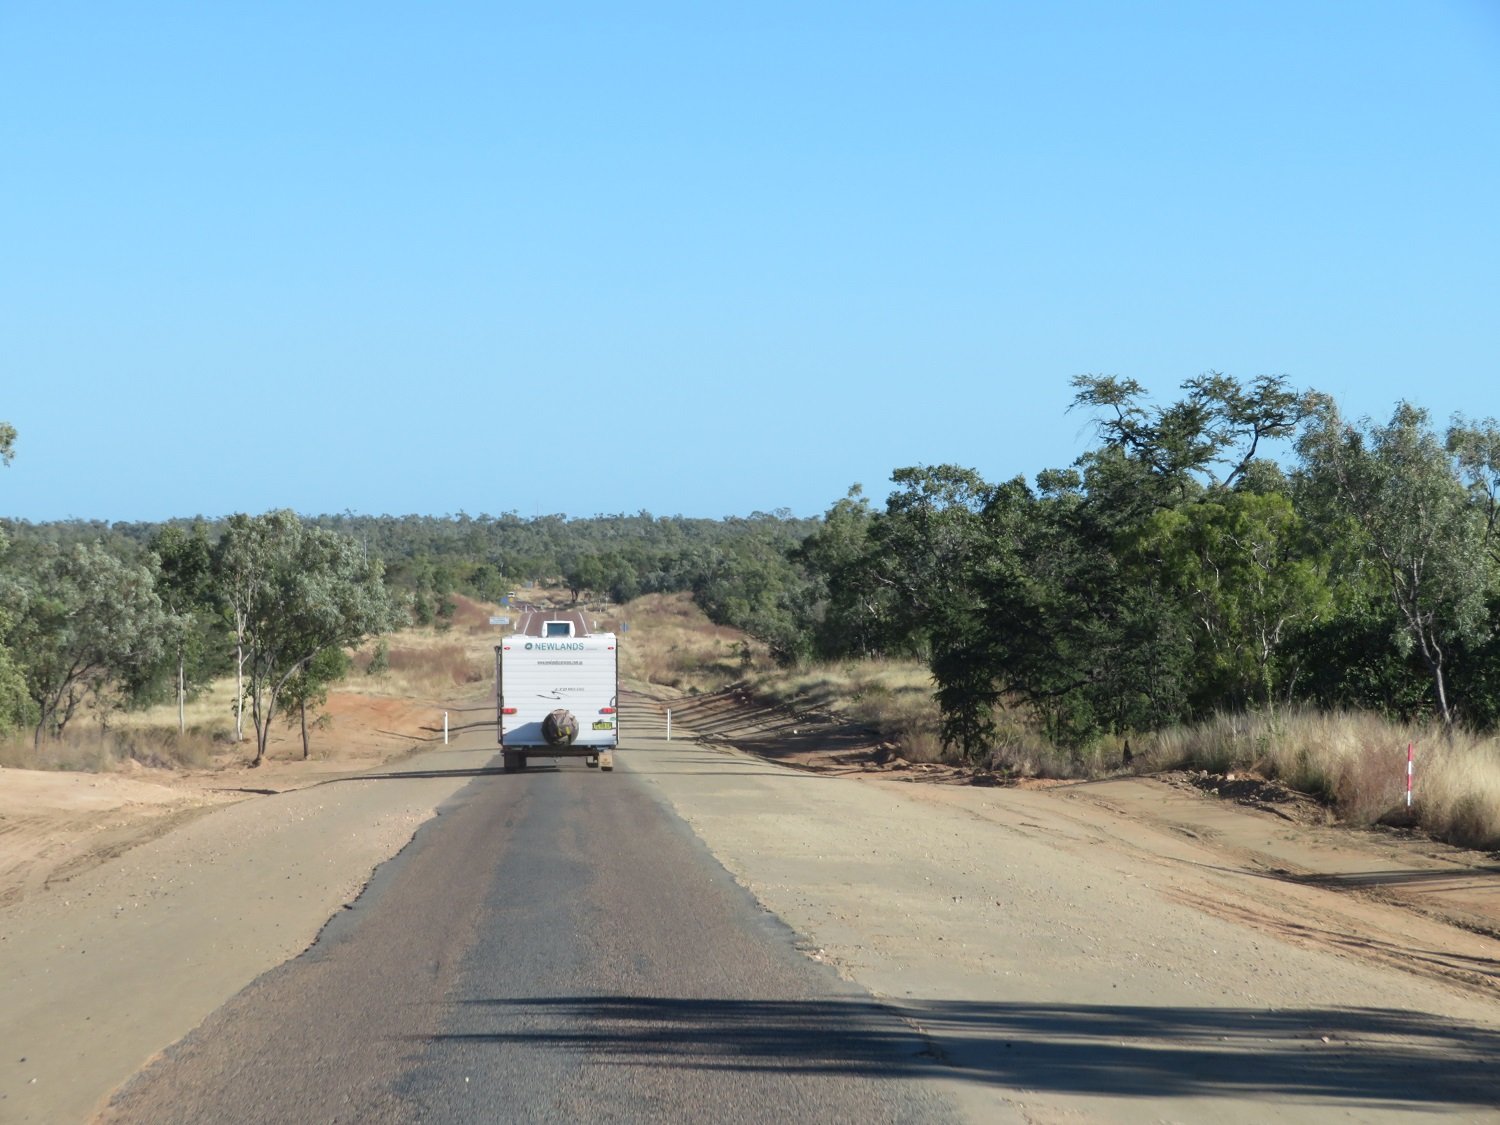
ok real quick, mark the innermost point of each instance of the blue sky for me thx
(706, 259)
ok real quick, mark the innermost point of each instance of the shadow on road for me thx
(1475, 877)
(1352, 1056)
(480, 771)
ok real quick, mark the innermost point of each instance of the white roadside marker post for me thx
(445, 728)
(1409, 747)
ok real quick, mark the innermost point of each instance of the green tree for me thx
(852, 607)
(308, 689)
(1128, 623)
(922, 549)
(1476, 447)
(584, 573)
(16, 709)
(84, 621)
(1244, 568)
(185, 583)
(974, 652)
(241, 565)
(1209, 438)
(1050, 621)
(312, 590)
(747, 580)
(1398, 485)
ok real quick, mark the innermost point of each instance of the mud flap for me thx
(607, 760)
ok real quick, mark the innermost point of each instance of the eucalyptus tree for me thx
(84, 620)
(1118, 654)
(295, 592)
(241, 560)
(1397, 486)
(308, 688)
(1116, 574)
(749, 582)
(185, 583)
(1246, 572)
(1476, 448)
(16, 709)
(15, 704)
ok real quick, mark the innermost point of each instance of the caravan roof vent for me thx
(558, 629)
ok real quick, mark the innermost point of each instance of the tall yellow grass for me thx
(91, 749)
(1354, 761)
(672, 643)
(891, 697)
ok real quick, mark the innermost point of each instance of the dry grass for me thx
(149, 737)
(211, 711)
(424, 664)
(892, 697)
(1356, 763)
(672, 643)
(92, 750)
(1021, 750)
(429, 662)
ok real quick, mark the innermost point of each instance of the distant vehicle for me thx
(556, 692)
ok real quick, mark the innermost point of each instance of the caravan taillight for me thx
(606, 710)
(507, 710)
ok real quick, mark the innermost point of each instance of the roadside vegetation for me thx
(1242, 578)
(1354, 762)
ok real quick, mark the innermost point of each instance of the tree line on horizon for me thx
(97, 616)
(1244, 547)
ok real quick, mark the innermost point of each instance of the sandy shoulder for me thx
(1155, 935)
(1072, 959)
(54, 826)
(129, 955)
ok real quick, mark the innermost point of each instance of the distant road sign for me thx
(499, 620)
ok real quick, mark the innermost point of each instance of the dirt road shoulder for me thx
(125, 958)
(1073, 961)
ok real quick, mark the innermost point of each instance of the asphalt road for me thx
(556, 946)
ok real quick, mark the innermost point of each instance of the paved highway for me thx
(556, 946)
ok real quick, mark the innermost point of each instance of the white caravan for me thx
(556, 694)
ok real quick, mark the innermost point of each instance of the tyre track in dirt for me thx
(48, 848)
